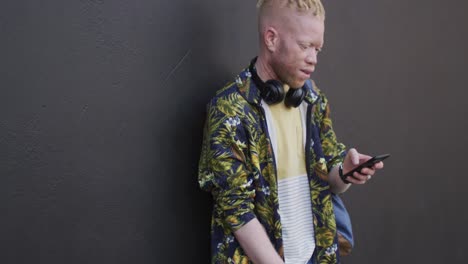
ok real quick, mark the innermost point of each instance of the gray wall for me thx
(102, 108)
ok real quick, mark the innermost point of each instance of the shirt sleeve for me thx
(223, 168)
(333, 150)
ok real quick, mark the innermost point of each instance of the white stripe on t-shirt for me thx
(296, 219)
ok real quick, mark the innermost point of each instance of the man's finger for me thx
(354, 180)
(359, 176)
(379, 165)
(367, 171)
(354, 155)
(364, 157)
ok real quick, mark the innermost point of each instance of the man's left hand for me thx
(352, 160)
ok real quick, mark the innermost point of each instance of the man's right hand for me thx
(256, 244)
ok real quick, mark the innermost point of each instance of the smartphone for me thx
(366, 164)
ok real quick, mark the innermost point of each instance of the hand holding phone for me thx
(367, 164)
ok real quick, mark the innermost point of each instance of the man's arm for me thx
(333, 150)
(256, 244)
(335, 154)
(223, 172)
(337, 185)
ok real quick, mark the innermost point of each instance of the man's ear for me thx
(271, 39)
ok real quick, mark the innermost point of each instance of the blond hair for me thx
(302, 5)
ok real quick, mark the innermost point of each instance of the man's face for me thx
(299, 41)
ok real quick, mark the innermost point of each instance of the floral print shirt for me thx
(237, 166)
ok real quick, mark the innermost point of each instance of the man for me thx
(270, 156)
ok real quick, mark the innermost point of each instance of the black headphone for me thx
(272, 91)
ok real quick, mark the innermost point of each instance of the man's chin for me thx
(298, 84)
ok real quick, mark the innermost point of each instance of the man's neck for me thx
(264, 71)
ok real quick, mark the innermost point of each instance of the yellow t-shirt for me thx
(290, 154)
(287, 133)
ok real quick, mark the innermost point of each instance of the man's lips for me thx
(307, 72)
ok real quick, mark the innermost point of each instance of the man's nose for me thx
(312, 57)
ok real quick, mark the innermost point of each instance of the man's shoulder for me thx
(230, 94)
(228, 90)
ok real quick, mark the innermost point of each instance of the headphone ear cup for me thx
(294, 97)
(273, 92)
